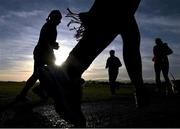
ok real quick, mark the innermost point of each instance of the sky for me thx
(21, 21)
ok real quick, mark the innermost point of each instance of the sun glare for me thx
(61, 55)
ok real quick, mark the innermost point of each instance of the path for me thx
(120, 111)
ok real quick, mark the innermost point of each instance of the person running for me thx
(43, 53)
(113, 63)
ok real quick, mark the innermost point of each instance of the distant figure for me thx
(113, 63)
(43, 53)
(103, 22)
(161, 63)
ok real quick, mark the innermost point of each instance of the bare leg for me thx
(89, 47)
(158, 80)
(112, 81)
(31, 81)
(78, 61)
(132, 59)
(165, 71)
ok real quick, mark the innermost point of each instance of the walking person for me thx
(161, 64)
(43, 53)
(113, 63)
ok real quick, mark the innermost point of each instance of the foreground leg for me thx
(64, 84)
(88, 48)
(65, 93)
(132, 59)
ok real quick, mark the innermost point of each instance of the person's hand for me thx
(56, 46)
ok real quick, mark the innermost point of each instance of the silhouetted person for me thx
(43, 53)
(161, 63)
(103, 22)
(113, 63)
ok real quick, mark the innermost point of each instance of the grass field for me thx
(118, 111)
(92, 91)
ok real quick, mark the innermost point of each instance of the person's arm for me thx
(48, 36)
(55, 45)
(119, 62)
(167, 49)
(107, 63)
(51, 37)
(154, 57)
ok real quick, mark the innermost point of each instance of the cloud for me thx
(21, 21)
(26, 14)
(160, 20)
(159, 7)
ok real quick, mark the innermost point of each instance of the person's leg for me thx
(65, 83)
(40, 92)
(165, 71)
(30, 82)
(88, 48)
(39, 89)
(157, 70)
(66, 94)
(132, 59)
(111, 82)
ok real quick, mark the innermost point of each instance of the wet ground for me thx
(119, 111)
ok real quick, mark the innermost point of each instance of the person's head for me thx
(54, 17)
(158, 41)
(111, 52)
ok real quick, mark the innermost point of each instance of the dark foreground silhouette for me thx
(102, 23)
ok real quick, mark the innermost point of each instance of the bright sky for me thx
(21, 21)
